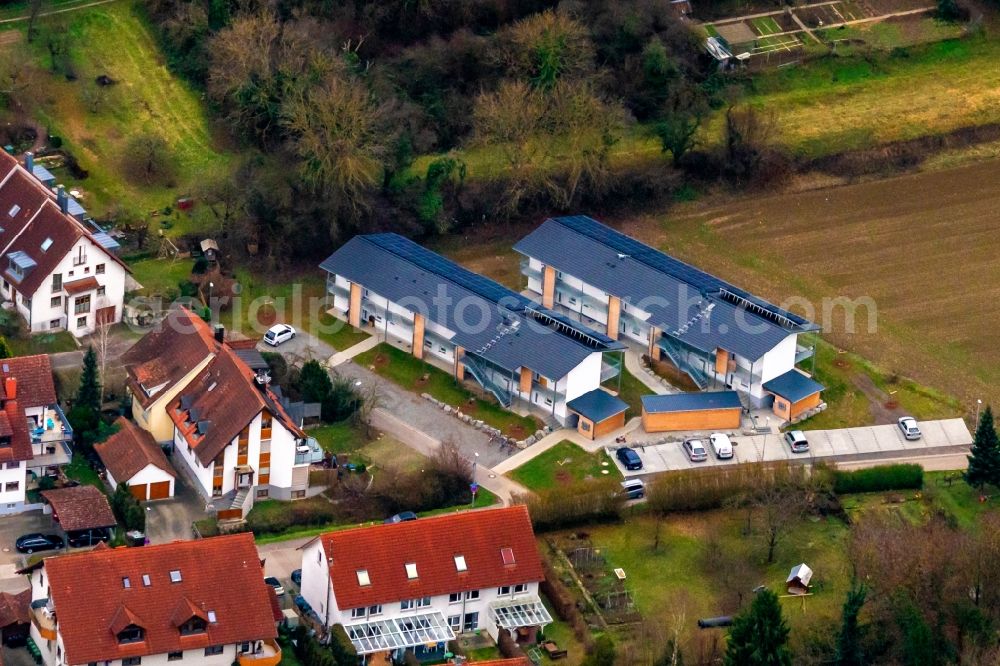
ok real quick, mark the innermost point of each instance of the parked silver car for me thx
(797, 441)
(908, 425)
(695, 450)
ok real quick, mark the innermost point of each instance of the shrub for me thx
(564, 604)
(585, 502)
(902, 476)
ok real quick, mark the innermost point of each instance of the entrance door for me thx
(471, 622)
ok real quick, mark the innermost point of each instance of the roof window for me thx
(460, 564)
(145, 580)
(211, 616)
(46, 244)
(175, 576)
(411, 570)
(363, 579)
(14, 210)
(126, 583)
(508, 555)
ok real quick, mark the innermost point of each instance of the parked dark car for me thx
(634, 489)
(629, 458)
(401, 517)
(81, 538)
(297, 576)
(33, 543)
(279, 589)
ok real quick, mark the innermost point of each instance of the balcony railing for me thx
(43, 619)
(803, 353)
(268, 654)
(308, 451)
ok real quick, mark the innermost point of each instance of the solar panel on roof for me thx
(704, 282)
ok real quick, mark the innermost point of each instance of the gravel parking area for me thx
(846, 444)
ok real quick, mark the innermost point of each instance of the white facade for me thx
(145, 476)
(52, 308)
(286, 478)
(464, 610)
(13, 482)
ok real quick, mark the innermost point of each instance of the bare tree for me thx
(34, 11)
(103, 323)
(682, 116)
(748, 135)
(371, 398)
(545, 48)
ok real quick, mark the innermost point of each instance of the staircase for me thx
(481, 375)
(243, 501)
(678, 357)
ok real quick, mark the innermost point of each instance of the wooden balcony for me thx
(269, 655)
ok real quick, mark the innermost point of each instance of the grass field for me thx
(161, 277)
(115, 41)
(630, 390)
(409, 372)
(563, 464)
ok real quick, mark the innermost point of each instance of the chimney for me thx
(62, 198)
(29, 162)
(10, 388)
(263, 379)
(220, 333)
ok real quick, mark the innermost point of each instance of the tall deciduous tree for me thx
(682, 115)
(759, 635)
(984, 458)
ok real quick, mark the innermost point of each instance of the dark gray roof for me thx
(597, 405)
(691, 402)
(793, 386)
(487, 319)
(683, 301)
(253, 359)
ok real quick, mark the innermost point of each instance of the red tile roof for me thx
(14, 608)
(88, 283)
(129, 451)
(80, 508)
(14, 426)
(37, 219)
(168, 353)
(220, 575)
(432, 544)
(35, 387)
(225, 398)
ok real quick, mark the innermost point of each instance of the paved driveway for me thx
(303, 347)
(880, 442)
(12, 527)
(170, 520)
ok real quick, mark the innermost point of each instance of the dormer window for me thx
(460, 564)
(411, 570)
(131, 634)
(195, 625)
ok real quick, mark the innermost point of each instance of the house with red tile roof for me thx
(202, 602)
(131, 456)
(34, 432)
(57, 268)
(413, 586)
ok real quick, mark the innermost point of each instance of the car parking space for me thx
(846, 444)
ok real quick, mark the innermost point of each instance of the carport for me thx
(795, 393)
(82, 512)
(600, 413)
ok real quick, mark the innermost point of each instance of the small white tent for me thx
(798, 579)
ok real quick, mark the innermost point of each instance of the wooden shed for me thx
(794, 393)
(599, 413)
(713, 410)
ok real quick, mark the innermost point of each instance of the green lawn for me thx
(563, 464)
(43, 343)
(337, 333)
(631, 391)
(342, 437)
(403, 369)
(80, 470)
(96, 123)
(161, 277)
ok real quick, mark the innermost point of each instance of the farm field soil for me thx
(922, 246)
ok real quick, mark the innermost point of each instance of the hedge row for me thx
(903, 476)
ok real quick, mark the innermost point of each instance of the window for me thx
(175, 656)
(411, 570)
(100, 269)
(131, 661)
(211, 616)
(375, 610)
(14, 210)
(195, 625)
(127, 583)
(213, 649)
(101, 291)
(81, 256)
(363, 579)
(584, 425)
(406, 604)
(86, 270)
(454, 597)
(81, 322)
(471, 621)
(131, 634)
(507, 555)
(175, 576)
(11, 486)
(455, 622)
(56, 301)
(298, 494)
(471, 595)
(56, 281)
(460, 564)
(520, 587)
(503, 590)
(145, 580)
(81, 304)
(423, 602)
(55, 323)
(358, 612)
(262, 493)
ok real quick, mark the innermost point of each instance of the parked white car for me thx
(278, 334)
(721, 445)
(908, 426)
